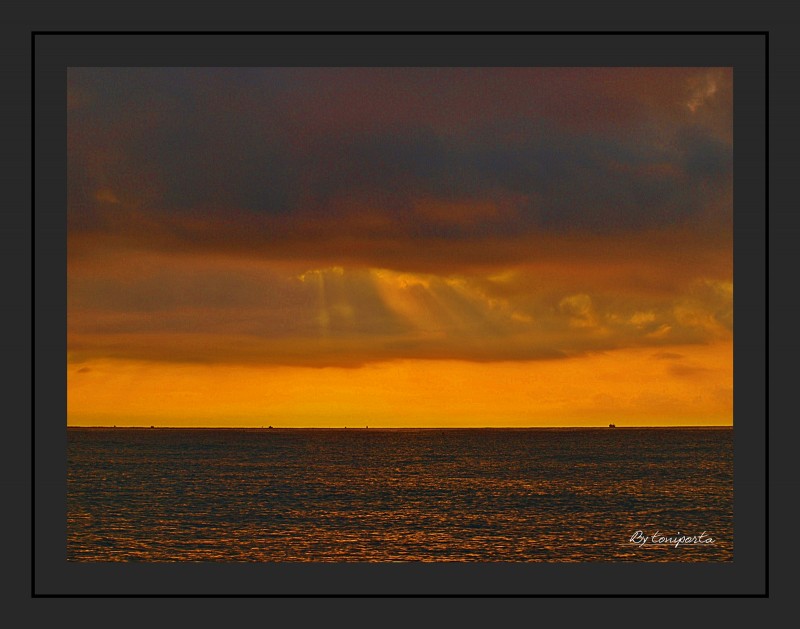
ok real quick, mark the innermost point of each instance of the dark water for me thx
(397, 495)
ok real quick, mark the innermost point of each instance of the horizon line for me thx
(154, 427)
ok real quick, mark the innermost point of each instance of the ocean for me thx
(389, 495)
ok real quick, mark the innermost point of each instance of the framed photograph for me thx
(366, 314)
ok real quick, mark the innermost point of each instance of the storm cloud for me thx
(341, 216)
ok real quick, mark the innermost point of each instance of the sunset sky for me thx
(400, 247)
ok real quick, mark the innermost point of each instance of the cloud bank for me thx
(337, 217)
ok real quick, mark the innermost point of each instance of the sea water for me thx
(375, 495)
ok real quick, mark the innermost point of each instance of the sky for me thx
(399, 247)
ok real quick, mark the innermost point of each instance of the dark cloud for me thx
(667, 356)
(276, 150)
(336, 216)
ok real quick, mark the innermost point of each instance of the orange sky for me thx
(331, 248)
(626, 387)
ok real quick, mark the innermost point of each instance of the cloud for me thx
(579, 309)
(547, 179)
(641, 319)
(667, 356)
(206, 310)
(264, 160)
(687, 371)
(324, 216)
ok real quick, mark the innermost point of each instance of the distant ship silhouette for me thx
(611, 426)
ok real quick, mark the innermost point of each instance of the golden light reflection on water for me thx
(378, 496)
